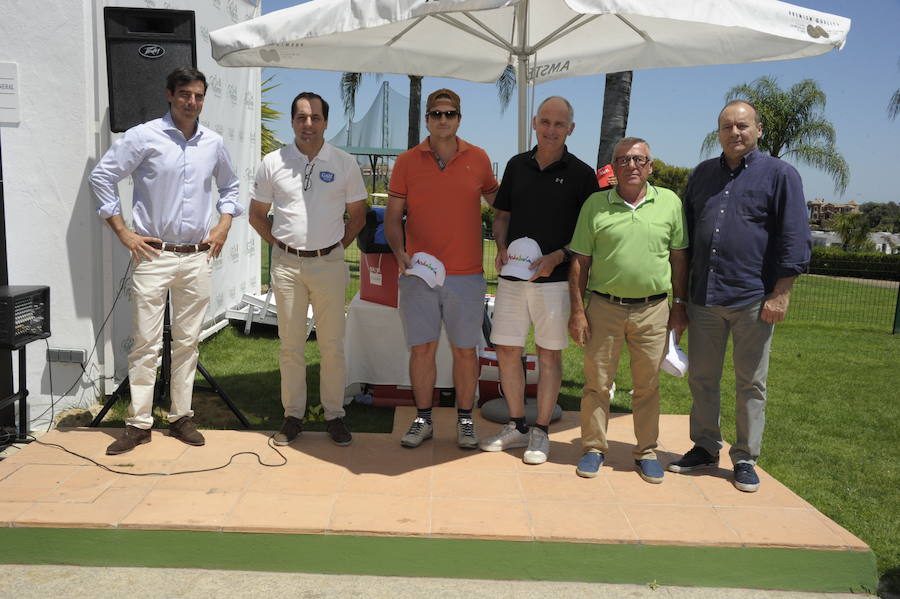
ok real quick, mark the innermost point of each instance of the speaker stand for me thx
(161, 389)
(21, 396)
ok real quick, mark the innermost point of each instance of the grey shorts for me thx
(459, 303)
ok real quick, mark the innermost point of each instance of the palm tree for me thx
(267, 114)
(853, 230)
(506, 86)
(894, 104)
(614, 122)
(350, 83)
(793, 126)
(415, 111)
(349, 86)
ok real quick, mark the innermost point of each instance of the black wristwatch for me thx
(567, 254)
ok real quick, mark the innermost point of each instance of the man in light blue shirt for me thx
(174, 162)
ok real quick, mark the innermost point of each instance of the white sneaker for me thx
(538, 447)
(508, 437)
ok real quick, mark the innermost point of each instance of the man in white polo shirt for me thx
(309, 184)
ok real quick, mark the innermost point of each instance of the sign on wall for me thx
(9, 93)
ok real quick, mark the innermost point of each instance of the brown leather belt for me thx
(179, 248)
(308, 253)
(631, 300)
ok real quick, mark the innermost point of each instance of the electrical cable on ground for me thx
(269, 442)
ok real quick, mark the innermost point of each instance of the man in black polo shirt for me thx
(540, 197)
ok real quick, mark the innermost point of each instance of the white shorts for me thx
(520, 303)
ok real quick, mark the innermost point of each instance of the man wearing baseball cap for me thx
(536, 210)
(439, 184)
(632, 242)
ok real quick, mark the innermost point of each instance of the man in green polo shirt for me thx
(630, 249)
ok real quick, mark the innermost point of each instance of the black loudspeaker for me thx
(24, 315)
(143, 46)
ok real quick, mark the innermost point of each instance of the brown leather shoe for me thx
(133, 437)
(183, 429)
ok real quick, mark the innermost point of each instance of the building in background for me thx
(821, 211)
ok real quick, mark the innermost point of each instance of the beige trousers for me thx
(643, 328)
(187, 277)
(299, 282)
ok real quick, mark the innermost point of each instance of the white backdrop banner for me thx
(231, 109)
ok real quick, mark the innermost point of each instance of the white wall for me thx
(54, 236)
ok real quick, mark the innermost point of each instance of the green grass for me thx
(832, 422)
(246, 367)
(834, 428)
(869, 305)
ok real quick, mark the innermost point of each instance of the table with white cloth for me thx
(375, 348)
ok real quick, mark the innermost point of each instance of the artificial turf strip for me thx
(738, 567)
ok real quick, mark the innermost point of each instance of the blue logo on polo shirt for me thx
(326, 176)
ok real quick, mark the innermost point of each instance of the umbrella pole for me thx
(522, 85)
(522, 72)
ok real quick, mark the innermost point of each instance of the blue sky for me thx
(675, 108)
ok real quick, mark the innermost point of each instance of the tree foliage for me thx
(506, 86)
(854, 232)
(350, 83)
(669, 176)
(794, 127)
(267, 114)
(882, 216)
(894, 104)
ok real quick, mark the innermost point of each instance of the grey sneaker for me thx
(290, 430)
(418, 432)
(538, 447)
(465, 433)
(508, 438)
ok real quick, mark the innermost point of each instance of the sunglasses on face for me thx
(448, 114)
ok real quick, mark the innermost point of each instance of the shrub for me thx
(835, 262)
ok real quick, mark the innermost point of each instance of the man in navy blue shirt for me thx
(749, 237)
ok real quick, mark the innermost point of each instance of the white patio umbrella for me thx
(543, 39)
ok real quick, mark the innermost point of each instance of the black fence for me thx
(841, 288)
(849, 289)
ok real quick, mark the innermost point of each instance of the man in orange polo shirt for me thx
(439, 184)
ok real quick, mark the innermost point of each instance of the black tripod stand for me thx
(161, 389)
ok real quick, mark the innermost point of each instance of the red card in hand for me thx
(603, 175)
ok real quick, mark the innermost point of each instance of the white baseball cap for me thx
(521, 254)
(428, 268)
(676, 361)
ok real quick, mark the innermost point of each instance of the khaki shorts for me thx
(521, 303)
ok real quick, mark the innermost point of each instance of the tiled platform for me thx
(377, 488)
